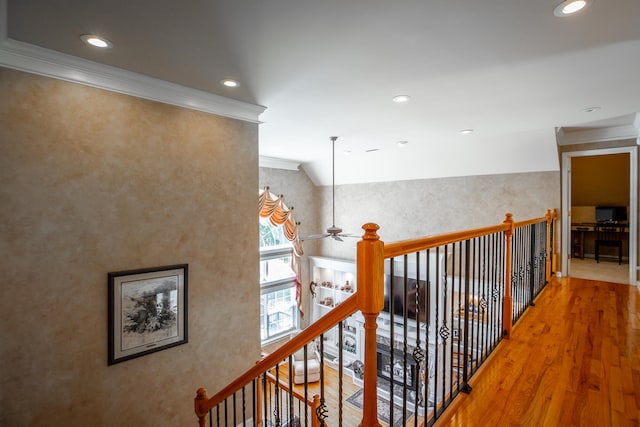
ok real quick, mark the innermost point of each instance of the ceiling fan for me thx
(333, 231)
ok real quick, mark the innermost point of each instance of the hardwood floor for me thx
(573, 360)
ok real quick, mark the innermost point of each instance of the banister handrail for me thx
(413, 245)
(518, 224)
(340, 313)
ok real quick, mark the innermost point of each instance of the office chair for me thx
(609, 235)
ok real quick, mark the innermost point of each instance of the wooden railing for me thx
(273, 385)
(449, 337)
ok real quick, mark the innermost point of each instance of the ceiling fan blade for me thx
(314, 236)
(336, 237)
(349, 235)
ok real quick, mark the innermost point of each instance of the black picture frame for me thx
(147, 311)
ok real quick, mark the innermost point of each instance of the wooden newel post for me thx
(549, 248)
(371, 302)
(199, 403)
(315, 404)
(507, 308)
(554, 249)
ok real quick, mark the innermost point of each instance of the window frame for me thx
(271, 286)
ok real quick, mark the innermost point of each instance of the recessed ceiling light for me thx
(401, 98)
(569, 7)
(230, 83)
(402, 144)
(96, 41)
(466, 131)
(590, 109)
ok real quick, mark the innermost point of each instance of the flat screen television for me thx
(611, 213)
(396, 292)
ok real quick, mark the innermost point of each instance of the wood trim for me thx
(519, 224)
(414, 245)
(370, 266)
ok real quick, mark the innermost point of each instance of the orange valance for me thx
(273, 207)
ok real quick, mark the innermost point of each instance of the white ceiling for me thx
(509, 69)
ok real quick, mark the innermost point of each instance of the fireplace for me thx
(386, 369)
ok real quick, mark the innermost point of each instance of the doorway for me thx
(596, 178)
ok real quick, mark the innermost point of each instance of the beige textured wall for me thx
(409, 209)
(93, 182)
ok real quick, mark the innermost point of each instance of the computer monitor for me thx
(611, 213)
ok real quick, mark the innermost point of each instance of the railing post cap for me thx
(370, 230)
(199, 402)
(508, 217)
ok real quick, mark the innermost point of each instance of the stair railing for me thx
(275, 385)
(255, 376)
(498, 264)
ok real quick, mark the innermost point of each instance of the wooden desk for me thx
(583, 236)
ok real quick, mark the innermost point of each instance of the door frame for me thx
(633, 205)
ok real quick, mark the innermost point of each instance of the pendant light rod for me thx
(333, 180)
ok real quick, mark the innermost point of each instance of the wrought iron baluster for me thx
(253, 400)
(226, 415)
(444, 329)
(276, 394)
(267, 401)
(234, 409)
(392, 334)
(340, 370)
(532, 263)
(405, 325)
(465, 374)
(291, 374)
(244, 406)
(321, 411)
(417, 354)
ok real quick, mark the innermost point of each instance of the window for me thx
(278, 305)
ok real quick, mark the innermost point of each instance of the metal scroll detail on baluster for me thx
(444, 330)
(418, 353)
(322, 413)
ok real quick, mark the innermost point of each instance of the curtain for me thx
(273, 207)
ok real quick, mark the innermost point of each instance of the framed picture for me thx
(147, 311)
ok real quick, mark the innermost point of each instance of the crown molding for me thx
(46, 62)
(600, 134)
(275, 163)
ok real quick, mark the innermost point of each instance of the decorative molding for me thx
(600, 134)
(46, 62)
(275, 163)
